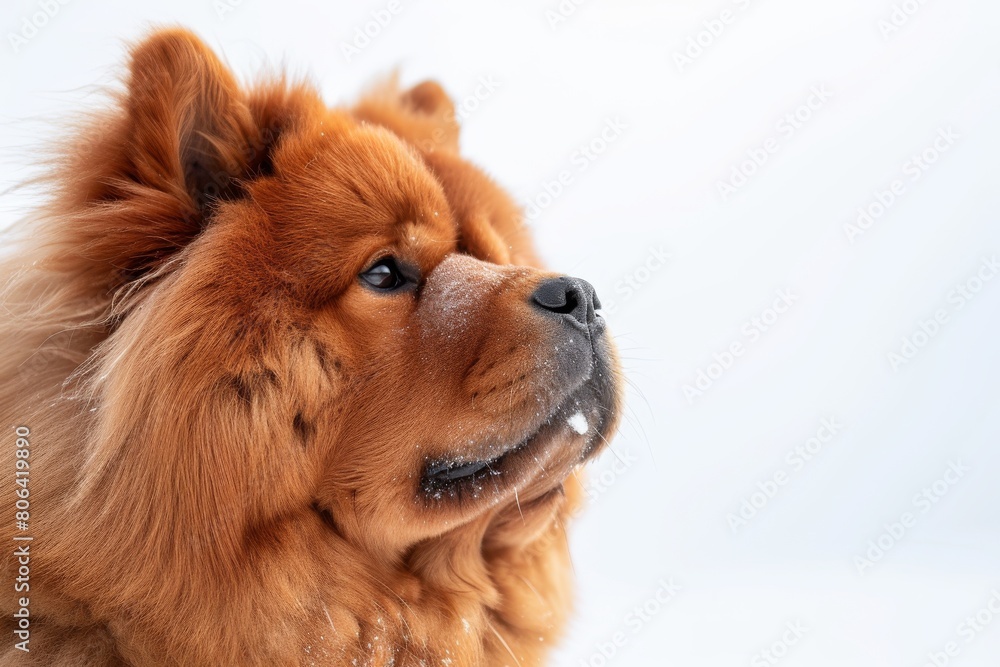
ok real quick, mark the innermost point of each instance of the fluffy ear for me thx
(423, 115)
(145, 181)
(189, 128)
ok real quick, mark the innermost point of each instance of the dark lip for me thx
(445, 475)
(450, 478)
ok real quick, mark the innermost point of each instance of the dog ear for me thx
(423, 116)
(186, 136)
(187, 122)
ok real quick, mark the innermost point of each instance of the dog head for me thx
(344, 281)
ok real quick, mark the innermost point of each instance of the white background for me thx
(690, 464)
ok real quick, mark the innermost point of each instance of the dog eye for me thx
(384, 275)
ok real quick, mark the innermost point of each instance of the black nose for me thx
(572, 298)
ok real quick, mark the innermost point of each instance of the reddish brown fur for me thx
(222, 419)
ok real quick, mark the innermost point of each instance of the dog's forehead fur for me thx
(354, 189)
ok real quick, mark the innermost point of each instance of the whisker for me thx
(504, 643)
(517, 501)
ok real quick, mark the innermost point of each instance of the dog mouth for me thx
(461, 478)
(454, 477)
(443, 473)
(444, 477)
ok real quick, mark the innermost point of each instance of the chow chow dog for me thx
(285, 384)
